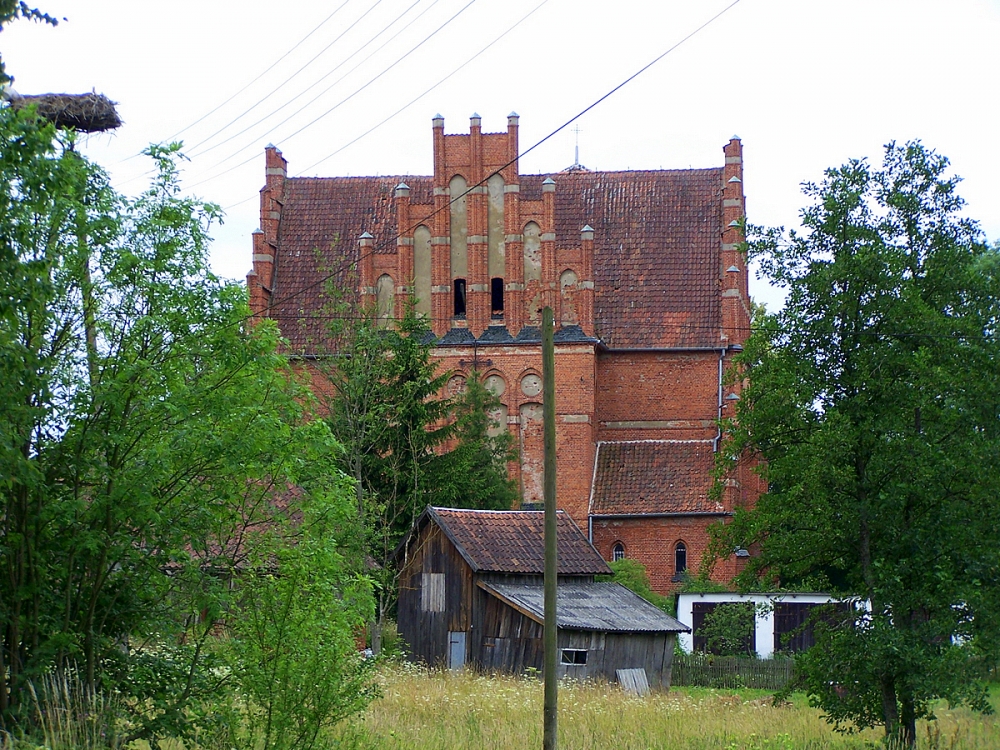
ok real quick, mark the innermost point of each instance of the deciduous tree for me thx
(873, 399)
(145, 431)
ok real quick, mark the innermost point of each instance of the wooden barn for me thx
(471, 593)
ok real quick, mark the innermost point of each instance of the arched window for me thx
(618, 552)
(496, 261)
(459, 227)
(680, 558)
(567, 292)
(422, 270)
(385, 299)
(532, 252)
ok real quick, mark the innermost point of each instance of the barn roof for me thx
(512, 541)
(605, 607)
(656, 248)
(654, 477)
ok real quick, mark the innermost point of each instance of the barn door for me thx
(456, 649)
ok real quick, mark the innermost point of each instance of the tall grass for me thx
(67, 716)
(438, 710)
(434, 710)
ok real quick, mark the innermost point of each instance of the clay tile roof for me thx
(512, 541)
(655, 476)
(321, 221)
(656, 260)
(657, 238)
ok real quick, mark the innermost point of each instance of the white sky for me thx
(806, 85)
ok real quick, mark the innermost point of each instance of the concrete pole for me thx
(550, 639)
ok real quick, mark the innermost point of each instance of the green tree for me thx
(406, 445)
(385, 410)
(873, 400)
(728, 629)
(473, 474)
(144, 434)
(292, 646)
(632, 575)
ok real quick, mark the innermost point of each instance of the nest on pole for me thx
(88, 113)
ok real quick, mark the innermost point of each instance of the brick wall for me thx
(652, 542)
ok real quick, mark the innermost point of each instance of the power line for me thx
(679, 327)
(412, 101)
(260, 75)
(351, 96)
(348, 263)
(425, 93)
(319, 80)
(290, 78)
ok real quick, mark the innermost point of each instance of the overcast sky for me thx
(806, 85)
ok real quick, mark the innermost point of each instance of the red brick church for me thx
(649, 289)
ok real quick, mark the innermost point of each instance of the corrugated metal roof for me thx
(605, 607)
(513, 541)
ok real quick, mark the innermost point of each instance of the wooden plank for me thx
(633, 681)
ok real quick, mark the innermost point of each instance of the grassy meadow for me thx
(437, 710)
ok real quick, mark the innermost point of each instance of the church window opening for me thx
(459, 298)
(618, 552)
(496, 296)
(680, 558)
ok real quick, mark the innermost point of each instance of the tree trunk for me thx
(907, 720)
(890, 710)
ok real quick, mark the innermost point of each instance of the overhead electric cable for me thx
(378, 248)
(347, 98)
(260, 75)
(425, 93)
(412, 101)
(290, 78)
(317, 81)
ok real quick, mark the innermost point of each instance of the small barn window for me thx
(432, 592)
(459, 298)
(496, 296)
(574, 656)
(618, 552)
(680, 558)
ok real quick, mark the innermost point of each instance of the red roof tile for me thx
(321, 221)
(654, 476)
(656, 248)
(512, 541)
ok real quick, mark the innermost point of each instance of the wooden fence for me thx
(706, 670)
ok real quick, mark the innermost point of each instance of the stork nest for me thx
(89, 113)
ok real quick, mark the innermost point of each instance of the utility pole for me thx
(550, 641)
